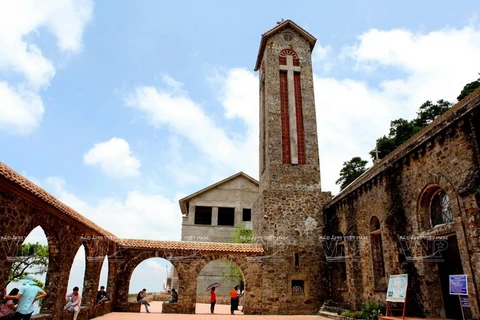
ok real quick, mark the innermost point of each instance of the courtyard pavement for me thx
(222, 312)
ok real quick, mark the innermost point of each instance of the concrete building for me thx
(210, 215)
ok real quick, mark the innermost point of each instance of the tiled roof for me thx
(311, 39)
(41, 194)
(191, 246)
(469, 103)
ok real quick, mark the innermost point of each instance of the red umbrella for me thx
(213, 285)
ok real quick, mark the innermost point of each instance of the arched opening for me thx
(31, 258)
(75, 282)
(103, 282)
(376, 248)
(224, 276)
(158, 277)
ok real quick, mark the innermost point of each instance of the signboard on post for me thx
(397, 288)
(458, 284)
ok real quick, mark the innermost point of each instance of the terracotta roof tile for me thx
(25, 184)
(194, 246)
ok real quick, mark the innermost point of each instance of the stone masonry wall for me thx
(399, 196)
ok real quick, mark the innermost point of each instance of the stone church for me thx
(415, 212)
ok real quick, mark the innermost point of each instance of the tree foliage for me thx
(351, 170)
(401, 130)
(32, 258)
(240, 234)
(469, 88)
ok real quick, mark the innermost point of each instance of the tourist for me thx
(26, 296)
(234, 298)
(141, 297)
(213, 299)
(101, 296)
(74, 300)
(174, 297)
(7, 309)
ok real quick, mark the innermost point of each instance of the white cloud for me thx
(114, 158)
(21, 110)
(148, 216)
(239, 95)
(353, 114)
(20, 22)
(187, 118)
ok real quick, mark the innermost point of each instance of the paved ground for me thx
(222, 312)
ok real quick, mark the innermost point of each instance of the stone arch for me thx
(431, 199)
(154, 286)
(237, 261)
(374, 223)
(103, 279)
(216, 263)
(36, 235)
(288, 52)
(77, 273)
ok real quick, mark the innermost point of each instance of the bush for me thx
(370, 310)
(353, 314)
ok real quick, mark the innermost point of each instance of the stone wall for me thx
(20, 213)
(398, 191)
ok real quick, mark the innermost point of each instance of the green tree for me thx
(351, 170)
(430, 111)
(469, 88)
(401, 130)
(32, 258)
(240, 234)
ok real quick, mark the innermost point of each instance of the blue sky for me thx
(120, 108)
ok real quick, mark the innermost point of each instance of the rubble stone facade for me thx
(440, 165)
(287, 216)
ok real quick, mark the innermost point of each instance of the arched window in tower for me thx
(440, 212)
(293, 141)
(377, 253)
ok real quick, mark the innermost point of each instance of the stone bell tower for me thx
(287, 217)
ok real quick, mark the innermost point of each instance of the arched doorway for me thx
(222, 272)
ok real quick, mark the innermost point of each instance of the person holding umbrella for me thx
(213, 299)
(213, 295)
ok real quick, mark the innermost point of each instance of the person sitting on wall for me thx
(141, 299)
(74, 300)
(102, 296)
(7, 309)
(174, 297)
